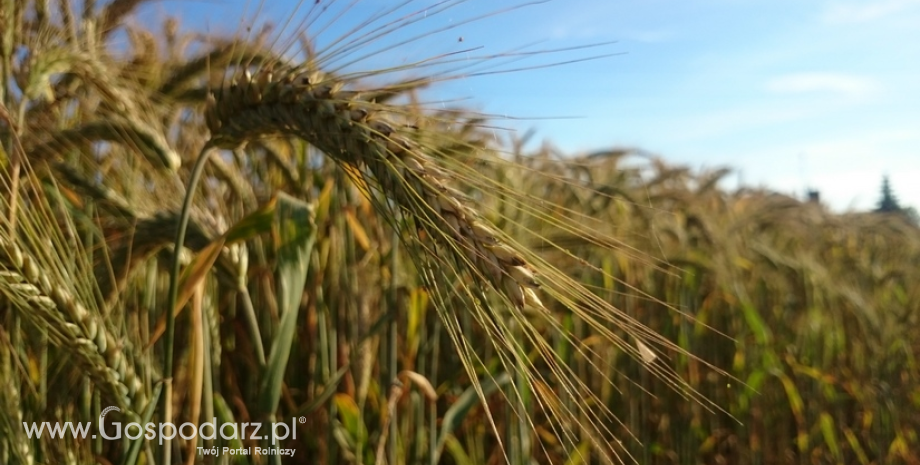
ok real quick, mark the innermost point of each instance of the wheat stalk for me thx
(313, 106)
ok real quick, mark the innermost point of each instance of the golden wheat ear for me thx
(50, 289)
(318, 108)
(310, 105)
(411, 171)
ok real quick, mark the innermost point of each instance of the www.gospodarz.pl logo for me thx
(207, 430)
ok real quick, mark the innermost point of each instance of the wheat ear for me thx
(313, 106)
(132, 132)
(54, 308)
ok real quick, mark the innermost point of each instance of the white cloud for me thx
(845, 84)
(859, 12)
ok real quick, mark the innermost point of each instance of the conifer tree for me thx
(888, 202)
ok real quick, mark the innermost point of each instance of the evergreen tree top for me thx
(888, 202)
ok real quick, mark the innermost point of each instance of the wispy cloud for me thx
(844, 84)
(860, 12)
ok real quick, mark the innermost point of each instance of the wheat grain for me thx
(313, 106)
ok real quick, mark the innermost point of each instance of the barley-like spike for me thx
(51, 305)
(313, 107)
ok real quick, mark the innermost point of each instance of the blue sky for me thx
(791, 94)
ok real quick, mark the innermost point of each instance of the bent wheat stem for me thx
(169, 338)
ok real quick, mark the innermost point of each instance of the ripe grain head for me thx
(445, 206)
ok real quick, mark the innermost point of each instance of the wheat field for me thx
(251, 228)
